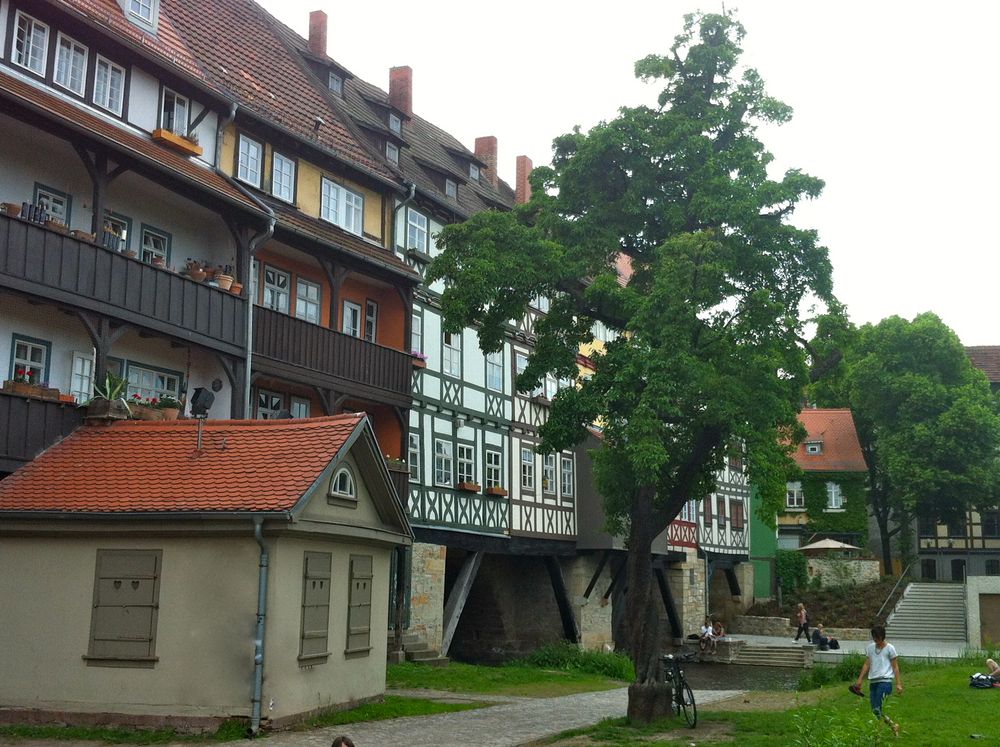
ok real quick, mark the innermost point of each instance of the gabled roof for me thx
(136, 467)
(987, 359)
(841, 450)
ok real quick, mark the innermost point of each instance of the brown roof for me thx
(987, 359)
(834, 428)
(127, 141)
(155, 467)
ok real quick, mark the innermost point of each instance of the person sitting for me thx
(993, 668)
(718, 631)
(822, 640)
(706, 640)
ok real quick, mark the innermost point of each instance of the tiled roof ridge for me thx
(217, 424)
(827, 409)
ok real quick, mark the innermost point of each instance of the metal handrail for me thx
(878, 615)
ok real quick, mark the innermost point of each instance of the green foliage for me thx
(818, 727)
(846, 670)
(853, 518)
(571, 658)
(113, 388)
(791, 566)
(515, 678)
(392, 707)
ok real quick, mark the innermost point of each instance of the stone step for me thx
(773, 656)
(431, 658)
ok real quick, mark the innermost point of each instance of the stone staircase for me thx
(417, 650)
(932, 612)
(775, 656)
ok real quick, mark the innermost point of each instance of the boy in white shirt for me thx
(882, 668)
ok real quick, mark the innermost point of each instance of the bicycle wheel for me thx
(686, 702)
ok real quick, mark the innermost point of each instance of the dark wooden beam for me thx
(458, 597)
(597, 573)
(734, 582)
(668, 603)
(103, 335)
(571, 629)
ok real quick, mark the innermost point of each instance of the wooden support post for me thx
(458, 597)
(571, 629)
(734, 581)
(97, 166)
(614, 580)
(597, 574)
(103, 335)
(668, 603)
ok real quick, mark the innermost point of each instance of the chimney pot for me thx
(522, 189)
(486, 151)
(317, 33)
(401, 89)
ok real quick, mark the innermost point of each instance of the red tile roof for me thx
(155, 467)
(987, 359)
(121, 139)
(841, 449)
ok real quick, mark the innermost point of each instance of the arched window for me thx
(342, 484)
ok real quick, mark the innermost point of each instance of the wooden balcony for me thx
(29, 425)
(79, 274)
(301, 351)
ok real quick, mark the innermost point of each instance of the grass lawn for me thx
(511, 679)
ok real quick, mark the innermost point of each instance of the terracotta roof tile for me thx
(155, 467)
(987, 359)
(841, 449)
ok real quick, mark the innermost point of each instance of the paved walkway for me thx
(922, 649)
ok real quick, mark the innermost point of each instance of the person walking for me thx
(802, 619)
(882, 668)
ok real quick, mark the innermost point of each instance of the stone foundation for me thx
(427, 593)
(593, 615)
(781, 627)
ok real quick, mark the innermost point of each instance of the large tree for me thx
(927, 421)
(708, 307)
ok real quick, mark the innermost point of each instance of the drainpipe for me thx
(258, 653)
(400, 206)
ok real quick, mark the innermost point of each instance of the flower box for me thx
(419, 363)
(177, 143)
(141, 412)
(469, 487)
(396, 465)
(495, 490)
(27, 389)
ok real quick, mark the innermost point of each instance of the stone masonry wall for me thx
(427, 592)
(592, 615)
(841, 571)
(687, 585)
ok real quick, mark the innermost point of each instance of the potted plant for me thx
(225, 278)
(109, 399)
(495, 490)
(469, 487)
(145, 408)
(395, 465)
(419, 359)
(236, 288)
(171, 407)
(23, 381)
(12, 209)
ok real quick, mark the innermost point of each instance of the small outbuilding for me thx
(193, 571)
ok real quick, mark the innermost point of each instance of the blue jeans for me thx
(877, 693)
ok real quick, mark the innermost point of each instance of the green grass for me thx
(510, 679)
(392, 707)
(227, 732)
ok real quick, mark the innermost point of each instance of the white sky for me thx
(895, 108)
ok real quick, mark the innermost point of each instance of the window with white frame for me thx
(299, 407)
(417, 334)
(466, 463)
(494, 469)
(416, 231)
(174, 116)
(474, 172)
(335, 83)
(283, 177)
(527, 469)
(352, 319)
(152, 383)
(566, 483)
(71, 64)
(551, 386)
(395, 123)
(116, 232)
(549, 473)
(269, 404)
(342, 484)
(520, 363)
(541, 303)
(494, 371)
(444, 462)
(794, 497)
(413, 456)
(341, 206)
(109, 85)
(814, 447)
(451, 360)
(57, 204)
(392, 153)
(689, 511)
(155, 244)
(307, 300)
(834, 496)
(31, 360)
(276, 289)
(143, 9)
(31, 43)
(371, 321)
(81, 377)
(450, 189)
(251, 156)
(720, 509)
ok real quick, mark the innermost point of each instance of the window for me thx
(466, 463)
(31, 359)
(126, 600)
(416, 231)
(392, 153)
(527, 469)
(834, 496)
(342, 484)
(151, 383)
(142, 9)
(927, 526)
(541, 303)
(736, 461)
(567, 483)
(451, 189)
(116, 232)
(739, 516)
(283, 177)
(417, 334)
(335, 83)
(56, 203)
(395, 123)
(993, 567)
(174, 116)
(494, 371)
(316, 573)
(551, 387)
(352, 319)
(359, 605)
(549, 473)
(269, 404)
(276, 289)
(31, 43)
(155, 244)
(494, 469)
(81, 378)
(341, 206)
(371, 321)
(109, 85)
(520, 363)
(689, 511)
(991, 524)
(300, 407)
(720, 509)
(814, 447)
(794, 497)
(248, 167)
(443, 462)
(706, 510)
(956, 528)
(474, 172)
(452, 359)
(71, 64)
(413, 456)
(307, 300)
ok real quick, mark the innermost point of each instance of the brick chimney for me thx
(522, 189)
(401, 89)
(486, 151)
(317, 33)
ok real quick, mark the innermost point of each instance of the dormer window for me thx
(143, 13)
(336, 83)
(473, 172)
(395, 124)
(814, 447)
(392, 153)
(451, 189)
(142, 8)
(342, 485)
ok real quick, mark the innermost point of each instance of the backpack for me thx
(980, 680)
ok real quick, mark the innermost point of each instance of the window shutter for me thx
(126, 600)
(315, 604)
(359, 614)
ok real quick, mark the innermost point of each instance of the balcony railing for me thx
(28, 426)
(69, 271)
(290, 347)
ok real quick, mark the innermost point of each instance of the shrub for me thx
(857, 728)
(790, 566)
(847, 669)
(570, 658)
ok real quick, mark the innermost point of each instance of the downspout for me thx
(258, 653)
(400, 206)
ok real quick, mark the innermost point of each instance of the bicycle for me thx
(681, 695)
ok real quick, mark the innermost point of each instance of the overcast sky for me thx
(895, 108)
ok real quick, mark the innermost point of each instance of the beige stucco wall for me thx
(974, 586)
